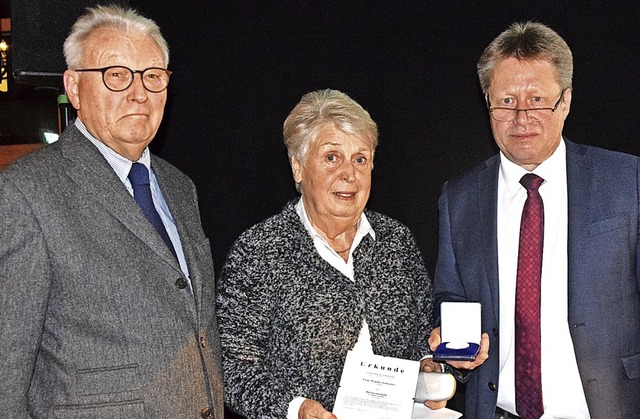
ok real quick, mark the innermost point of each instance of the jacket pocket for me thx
(608, 224)
(91, 381)
(128, 409)
(632, 366)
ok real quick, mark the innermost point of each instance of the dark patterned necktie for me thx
(139, 178)
(528, 377)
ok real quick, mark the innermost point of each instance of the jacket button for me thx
(495, 332)
(206, 413)
(203, 343)
(181, 283)
(493, 386)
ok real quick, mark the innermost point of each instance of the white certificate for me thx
(376, 387)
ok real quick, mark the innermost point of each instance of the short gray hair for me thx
(324, 107)
(527, 41)
(111, 16)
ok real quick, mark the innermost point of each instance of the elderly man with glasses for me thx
(106, 276)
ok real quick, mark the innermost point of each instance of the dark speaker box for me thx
(38, 30)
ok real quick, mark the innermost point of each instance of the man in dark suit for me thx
(104, 314)
(588, 301)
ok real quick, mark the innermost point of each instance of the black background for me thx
(240, 67)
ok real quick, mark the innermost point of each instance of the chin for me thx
(140, 136)
(351, 212)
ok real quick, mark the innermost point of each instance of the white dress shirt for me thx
(562, 392)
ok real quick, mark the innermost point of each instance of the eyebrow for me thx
(334, 143)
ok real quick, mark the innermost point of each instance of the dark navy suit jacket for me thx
(604, 284)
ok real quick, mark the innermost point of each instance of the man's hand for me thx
(311, 409)
(483, 354)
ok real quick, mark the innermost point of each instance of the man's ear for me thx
(566, 101)
(70, 79)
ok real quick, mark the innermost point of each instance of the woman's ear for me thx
(296, 168)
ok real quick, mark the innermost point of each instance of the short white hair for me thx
(112, 16)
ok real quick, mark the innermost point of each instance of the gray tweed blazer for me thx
(93, 321)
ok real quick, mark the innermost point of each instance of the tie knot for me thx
(139, 175)
(531, 182)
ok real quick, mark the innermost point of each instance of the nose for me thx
(522, 117)
(137, 92)
(348, 171)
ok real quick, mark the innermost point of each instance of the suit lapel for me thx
(98, 182)
(176, 198)
(579, 179)
(488, 212)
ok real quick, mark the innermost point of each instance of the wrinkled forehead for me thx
(110, 46)
(517, 74)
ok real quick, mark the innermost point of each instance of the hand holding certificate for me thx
(378, 387)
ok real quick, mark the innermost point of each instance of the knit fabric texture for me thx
(287, 318)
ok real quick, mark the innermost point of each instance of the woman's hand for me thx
(427, 365)
(311, 409)
(435, 405)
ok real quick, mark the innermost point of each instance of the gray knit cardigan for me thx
(287, 317)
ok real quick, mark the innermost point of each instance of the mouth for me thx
(524, 135)
(345, 195)
(136, 115)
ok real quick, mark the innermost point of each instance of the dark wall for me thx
(240, 67)
(39, 28)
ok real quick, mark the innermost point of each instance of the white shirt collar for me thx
(120, 164)
(549, 169)
(363, 229)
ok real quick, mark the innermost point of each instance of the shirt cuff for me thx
(294, 407)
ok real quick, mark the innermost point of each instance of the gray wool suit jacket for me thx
(95, 320)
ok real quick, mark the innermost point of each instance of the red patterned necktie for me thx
(528, 377)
